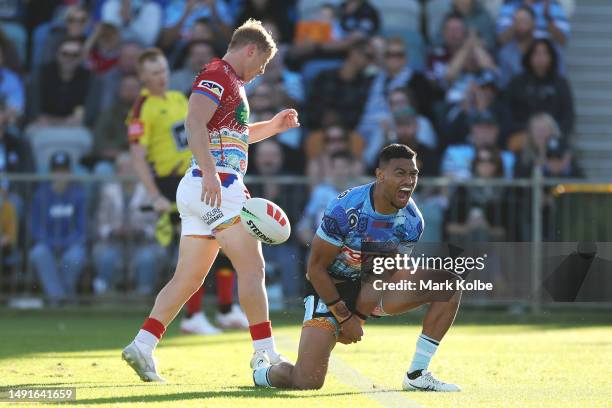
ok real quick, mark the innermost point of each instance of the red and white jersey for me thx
(229, 127)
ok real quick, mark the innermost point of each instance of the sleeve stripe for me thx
(138, 106)
(209, 94)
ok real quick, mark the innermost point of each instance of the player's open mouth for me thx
(404, 194)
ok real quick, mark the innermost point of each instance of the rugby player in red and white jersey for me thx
(211, 194)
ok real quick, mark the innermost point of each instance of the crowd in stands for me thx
(476, 91)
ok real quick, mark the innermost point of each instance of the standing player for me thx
(211, 194)
(159, 150)
(381, 212)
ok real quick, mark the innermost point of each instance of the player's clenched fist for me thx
(285, 119)
(211, 189)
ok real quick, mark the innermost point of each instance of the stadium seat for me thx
(77, 141)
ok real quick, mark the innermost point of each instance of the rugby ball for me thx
(265, 221)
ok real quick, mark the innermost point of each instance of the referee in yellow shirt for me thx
(156, 132)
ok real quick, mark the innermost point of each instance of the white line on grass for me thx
(353, 378)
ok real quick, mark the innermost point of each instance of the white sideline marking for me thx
(353, 378)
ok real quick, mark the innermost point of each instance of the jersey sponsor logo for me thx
(257, 232)
(213, 215)
(213, 87)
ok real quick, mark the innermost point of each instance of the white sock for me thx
(146, 341)
(266, 345)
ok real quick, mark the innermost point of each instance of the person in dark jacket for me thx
(58, 227)
(540, 88)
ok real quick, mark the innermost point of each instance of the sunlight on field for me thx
(545, 364)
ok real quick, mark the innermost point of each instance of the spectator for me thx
(289, 140)
(74, 24)
(316, 52)
(540, 88)
(110, 131)
(395, 74)
(58, 227)
(545, 145)
(281, 260)
(102, 48)
(126, 234)
(200, 31)
(11, 91)
(335, 139)
(405, 130)
(478, 213)
(344, 90)
(482, 95)
(280, 12)
(402, 98)
(140, 20)
(182, 15)
(333, 183)
(199, 54)
(467, 64)
(551, 20)
(359, 16)
(104, 88)
(484, 134)
(511, 54)
(454, 35)
(560, 161)
(477, 18)
(15, 153)
(63, 87)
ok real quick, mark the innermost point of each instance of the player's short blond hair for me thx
(253, 32)
(150, 54)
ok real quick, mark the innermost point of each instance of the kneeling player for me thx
(380, 212)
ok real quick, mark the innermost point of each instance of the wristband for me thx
(333, 302)
(345, 320)
(360, 315)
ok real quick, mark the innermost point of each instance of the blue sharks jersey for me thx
(350, 221)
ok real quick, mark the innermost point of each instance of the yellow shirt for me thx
(158, 123)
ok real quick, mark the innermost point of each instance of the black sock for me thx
(224, 309)
(415, 374)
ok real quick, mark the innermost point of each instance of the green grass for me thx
(552, 360)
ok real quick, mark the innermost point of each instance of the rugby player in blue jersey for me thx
(342, 297)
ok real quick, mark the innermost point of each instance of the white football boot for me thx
(235, 319)
(424, 381)
(198, 324)
(141, 362)
(260, 359)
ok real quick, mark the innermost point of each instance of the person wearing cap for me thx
(58, 225)
(484, 132)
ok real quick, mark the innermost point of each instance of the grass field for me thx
(552, 360)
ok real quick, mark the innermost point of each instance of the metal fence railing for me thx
(83, 230)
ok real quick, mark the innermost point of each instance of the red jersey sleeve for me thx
(211, 82)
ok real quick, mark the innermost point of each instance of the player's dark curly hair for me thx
(395, 151)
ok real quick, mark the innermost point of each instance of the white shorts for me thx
(200, 219)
